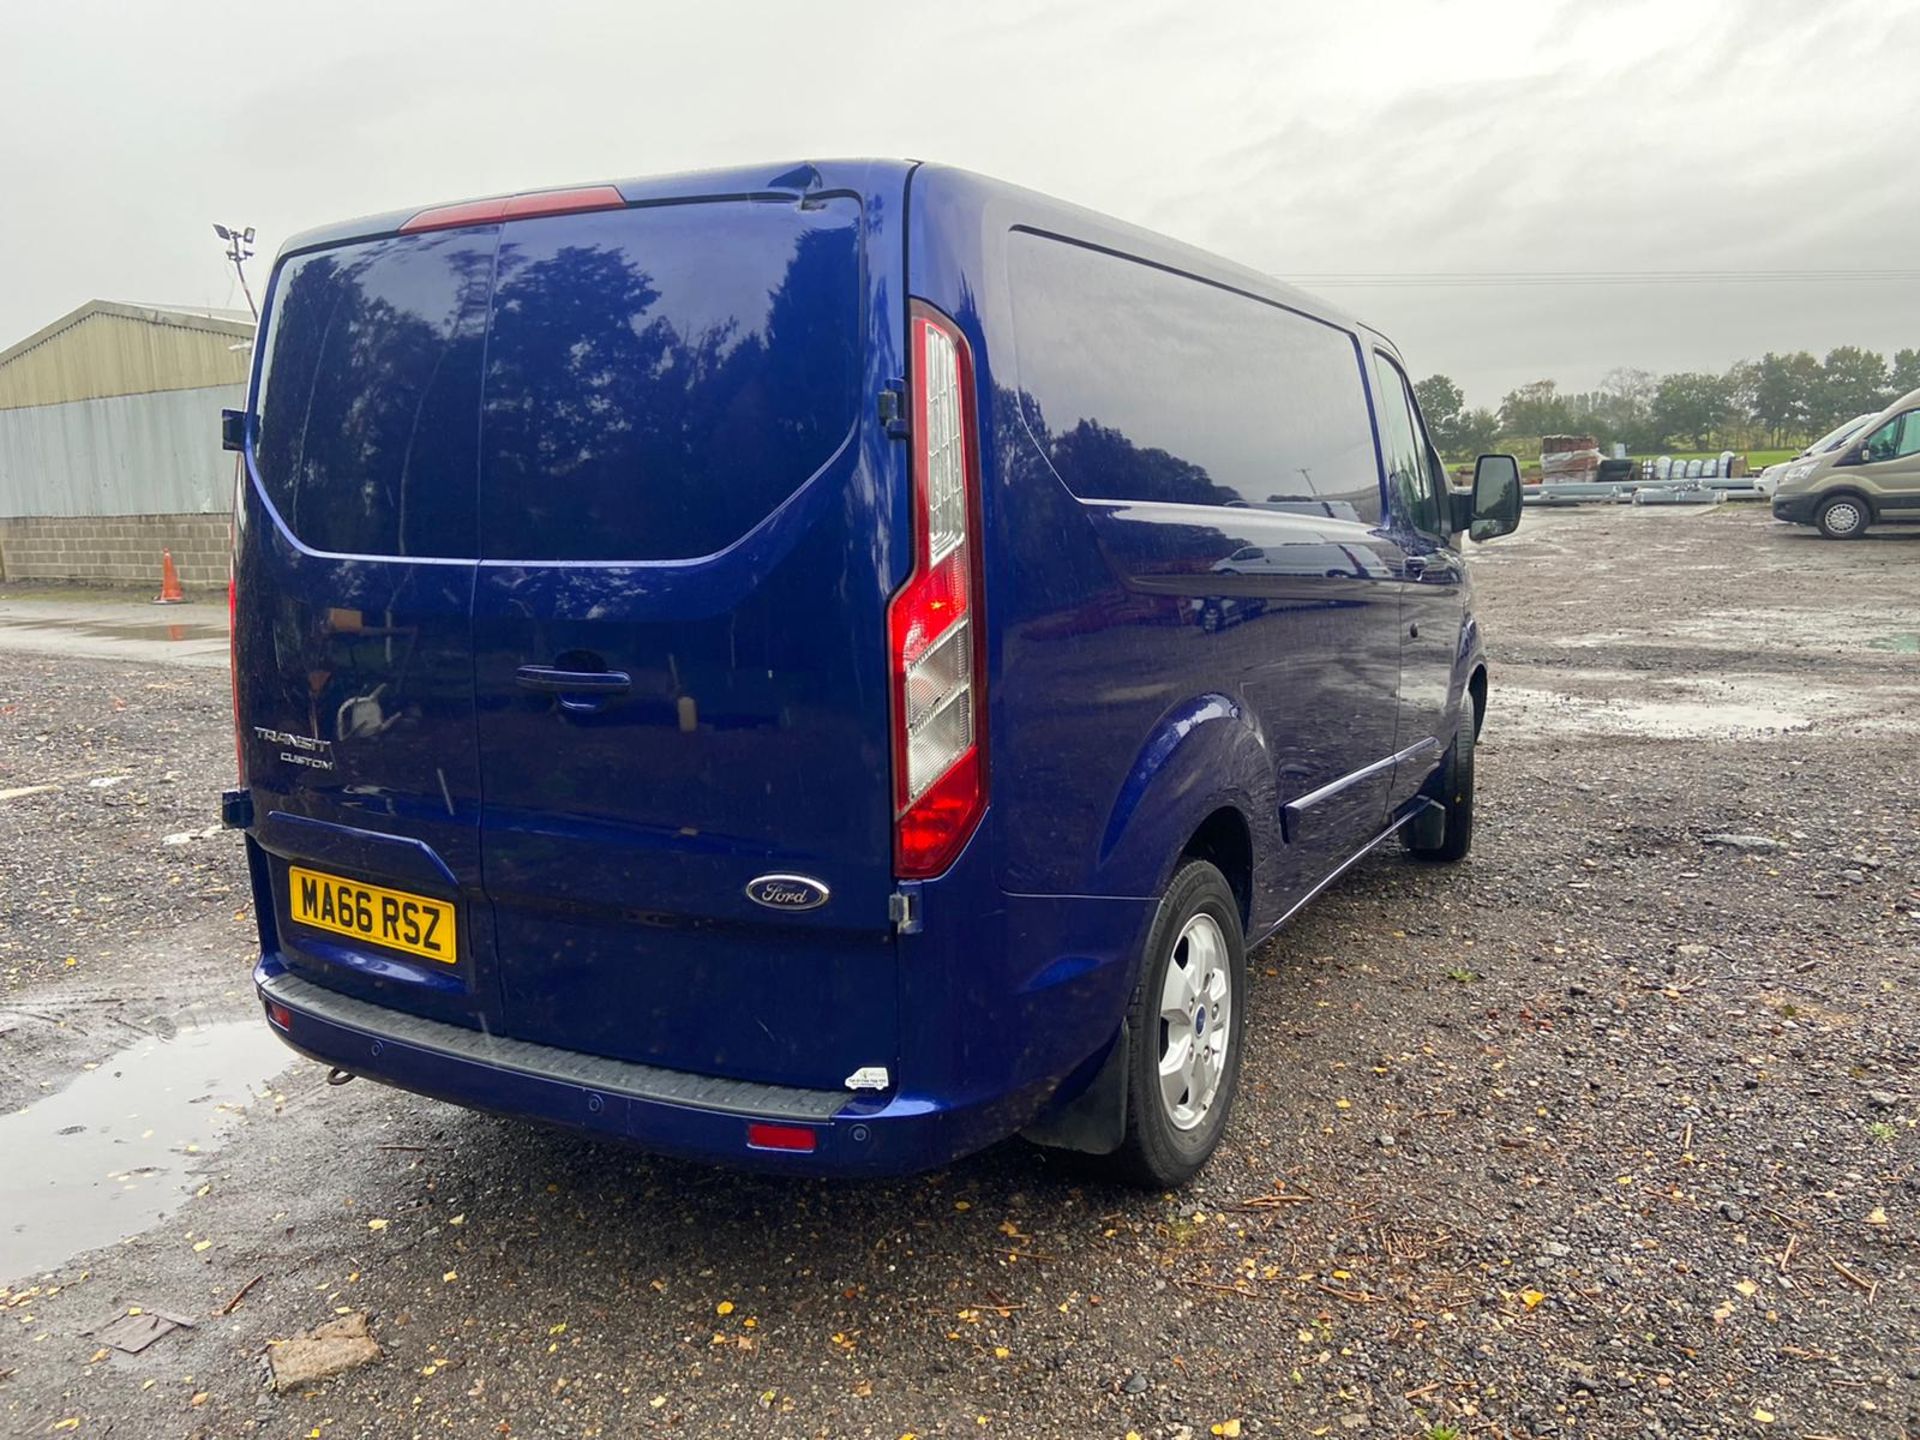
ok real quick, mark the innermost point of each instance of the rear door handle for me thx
(1415, 566)
(573, 682)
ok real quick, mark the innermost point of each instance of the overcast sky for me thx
(1357, 138)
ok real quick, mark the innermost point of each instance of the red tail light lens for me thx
(233, 674)
(934, 624)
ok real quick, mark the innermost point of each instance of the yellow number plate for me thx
(392, 918)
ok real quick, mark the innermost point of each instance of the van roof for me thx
(1037, 210)
(789, 181)
(792, 180)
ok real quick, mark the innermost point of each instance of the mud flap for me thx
(1427, 828)
(1094, 1122)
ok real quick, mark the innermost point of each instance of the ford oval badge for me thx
(787, 892)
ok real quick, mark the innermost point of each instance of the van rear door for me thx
(354, 567)
(679, 633)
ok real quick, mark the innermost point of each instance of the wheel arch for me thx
(1203, 785)
(1225, 841)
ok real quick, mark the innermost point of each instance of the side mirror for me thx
(233, 429)
(1495, 501)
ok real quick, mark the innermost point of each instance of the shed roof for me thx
(110, 348)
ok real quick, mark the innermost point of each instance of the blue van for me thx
(824, 668)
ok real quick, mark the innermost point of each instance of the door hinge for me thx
(903, 908)
(893, 409)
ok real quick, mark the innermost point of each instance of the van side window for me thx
(369, 395)
(1415, 480)
(1143, 384)
(1896, 439)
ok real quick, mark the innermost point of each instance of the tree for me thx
(1690, 404)
(1440, 401)
(1852, 382)
(1905, 374)
(1783, 393)
(1476, 433)
(1536, 408)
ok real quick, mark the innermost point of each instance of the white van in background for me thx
(1768, 479)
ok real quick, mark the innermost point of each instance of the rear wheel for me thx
(1448, 835)
(1845, 517)
(1185, 1028)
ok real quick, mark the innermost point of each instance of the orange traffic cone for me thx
(170, 591)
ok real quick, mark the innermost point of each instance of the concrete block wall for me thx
(115, 549)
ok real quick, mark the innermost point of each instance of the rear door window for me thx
(659, 379)
(1144, 384)
(369, 394)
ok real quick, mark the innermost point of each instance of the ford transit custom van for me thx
(825, 667)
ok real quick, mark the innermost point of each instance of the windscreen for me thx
(660, 379)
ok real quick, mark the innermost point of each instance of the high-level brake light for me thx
(515, 207)
(933, 624)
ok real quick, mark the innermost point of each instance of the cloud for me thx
(1376, 136)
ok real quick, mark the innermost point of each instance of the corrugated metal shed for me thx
(153, 454)
(105, 349)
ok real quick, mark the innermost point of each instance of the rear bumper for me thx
(698, 1117)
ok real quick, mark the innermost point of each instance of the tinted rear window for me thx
(1142, 384)
(369, 398)
(660, 379)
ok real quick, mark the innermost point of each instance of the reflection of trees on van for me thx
(1071, 583)
(617, 431)
(367, 424)
(1097, 460)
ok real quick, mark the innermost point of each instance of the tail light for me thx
(233, 672)
(934, 625)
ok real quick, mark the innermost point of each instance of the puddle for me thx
(1727, 707)
(116, 1150)
(131, 630)
(1656, 719)
(1898, 644)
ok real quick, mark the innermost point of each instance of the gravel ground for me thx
(1609, 1131)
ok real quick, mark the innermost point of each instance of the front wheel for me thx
(1845, 517)
(1184, 1032)
(1447, 834)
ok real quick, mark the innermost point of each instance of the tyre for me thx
(1184, 1032)
(1448, 835)
(1845, 517)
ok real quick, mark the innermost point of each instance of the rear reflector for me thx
(280, 1015)
(515, 207)
(761, 1136)
(939, 770)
